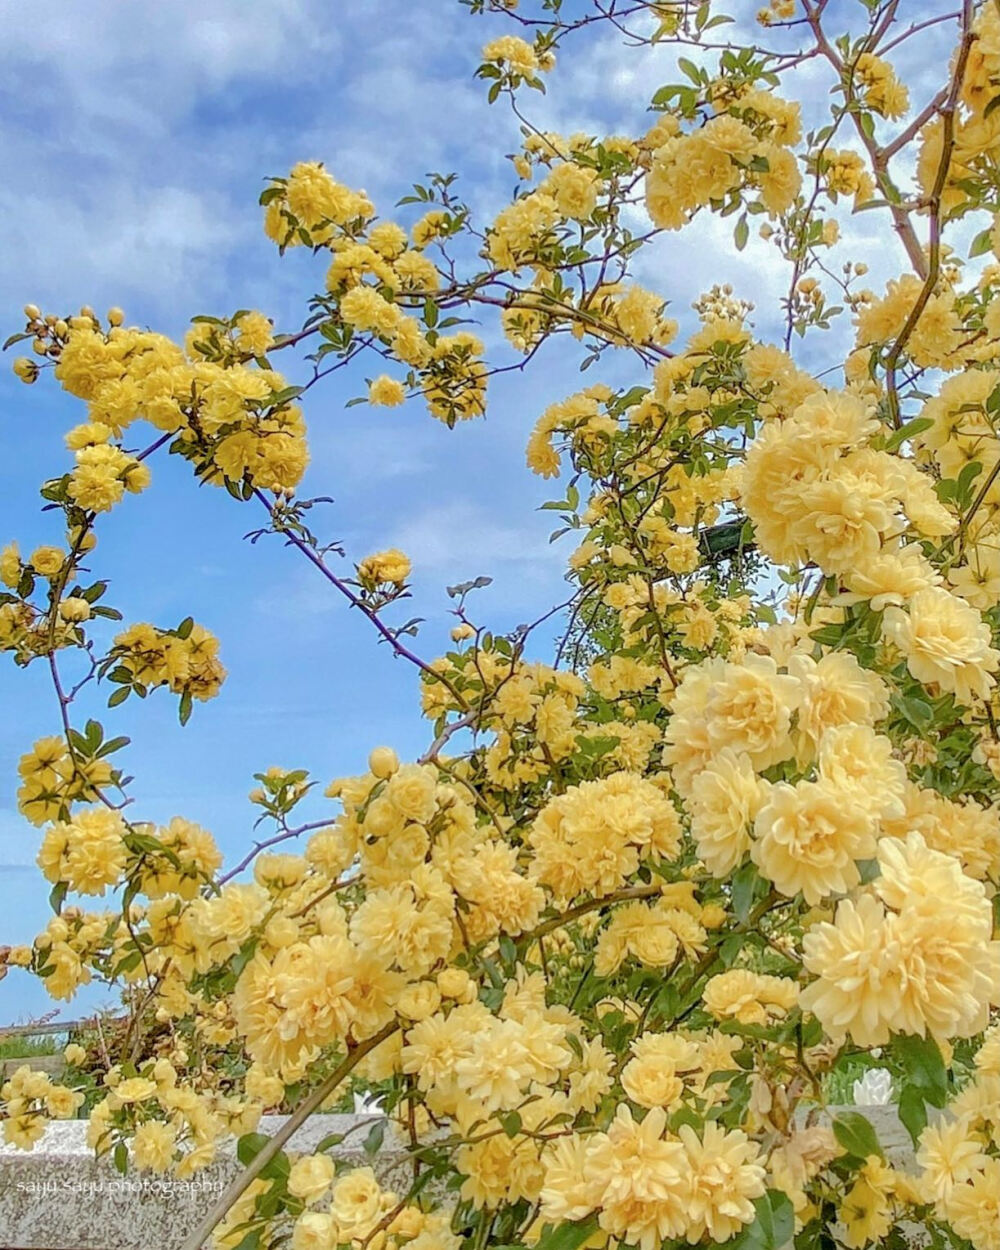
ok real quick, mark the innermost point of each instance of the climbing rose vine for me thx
(611, 951)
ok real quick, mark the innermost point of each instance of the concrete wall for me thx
(59, 1197)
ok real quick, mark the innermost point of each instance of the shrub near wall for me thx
(605, 949)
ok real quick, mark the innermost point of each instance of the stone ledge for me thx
(59, 1197)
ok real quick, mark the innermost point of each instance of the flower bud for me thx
(32, 312)
(383, 762)
(26, 369)
(75, 610)
(455, 983)
(115, 316)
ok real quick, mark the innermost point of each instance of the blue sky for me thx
(136, 138)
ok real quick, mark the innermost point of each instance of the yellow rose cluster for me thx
(913, 955)
(745, 150)
(608, 952)
(184, 660)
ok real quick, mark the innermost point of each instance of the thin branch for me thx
(948, 110)
(198, 1236)
(356, 601)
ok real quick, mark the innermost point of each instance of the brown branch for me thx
(933, 270)
(199, 1235)
(901, 221)
(356, 601)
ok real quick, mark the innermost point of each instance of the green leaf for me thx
(912, 1111)
(567, 1236)
(916, 711)
(251, 1241)
(690, 69)
(184, 710)
(982, 243)
(57, 896)
(511, 1123)
(742, 233)
(283, 396)
(746, 883)
(184, 629)
(773, 1227)
(924, 1066)
(856, 1134)
(373, 1142)
(121, 1158)
(909, 430)
(119, 696)
(249, 1147)
(115, 744)
(926, 1081)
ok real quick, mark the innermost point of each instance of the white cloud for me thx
(462, 538)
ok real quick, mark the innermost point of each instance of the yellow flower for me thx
(922, 966)
(254, 333)
(385, 566)
(74, 609)
(88, 852)
(574, 188)
(859, 763)
(642, 1177)
(725, 1176)
(513, 52)
(836, 691)
(591, 837)
(866, 1209)
(809, 837)
(724, 800)
(411, 791)
(134, 1089)
(10, 566)
(654, 1076)
(386, 391)
(945, 643)
(47, 561)
(24, 1129)
(749, 997)
(949, 1152)
(153, 1146)
(314, 1230)
(62, 1103)
(973, 1207)
(419, 1001)
(310, 1177)
(747, 707)
(355, 1202)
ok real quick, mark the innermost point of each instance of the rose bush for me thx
(609, 946)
